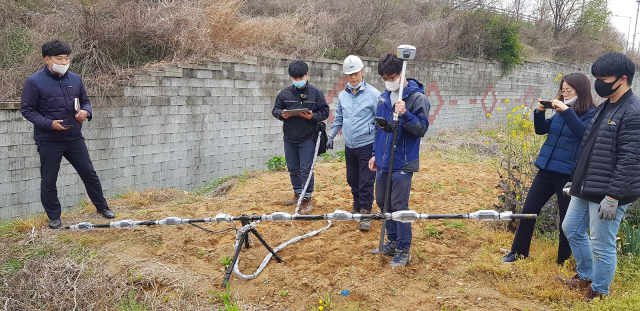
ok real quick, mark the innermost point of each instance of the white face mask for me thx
(61, 69)
(357, 87)
(570, 102)
(392, 86)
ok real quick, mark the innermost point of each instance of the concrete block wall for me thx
(182, 125)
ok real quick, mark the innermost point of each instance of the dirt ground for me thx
(440, 275)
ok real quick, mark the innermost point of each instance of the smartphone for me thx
(382, 122)
(547, 104)
(67, 125)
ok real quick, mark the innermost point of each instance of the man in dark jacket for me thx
(413, 108)
(605, 179)
(55, 101)
(300, 129)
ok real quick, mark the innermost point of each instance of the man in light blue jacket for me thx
(354, 115)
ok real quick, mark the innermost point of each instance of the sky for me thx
(624, 17)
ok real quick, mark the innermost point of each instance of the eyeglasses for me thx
(390, 79)
(566, 91)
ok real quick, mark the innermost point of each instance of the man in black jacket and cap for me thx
(606, 178)
(300, 129)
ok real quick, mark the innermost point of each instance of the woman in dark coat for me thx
(574, 109)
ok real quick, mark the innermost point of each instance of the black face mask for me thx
(604, 89)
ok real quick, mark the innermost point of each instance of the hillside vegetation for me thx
(110, 37)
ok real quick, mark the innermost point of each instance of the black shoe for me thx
(401, 258)
(107, 213)
(388, 249)
(55, 223)
(511, 257)
(365, 224)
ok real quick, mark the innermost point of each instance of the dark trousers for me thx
(359, 176)
(75, 151)
(400, 188)
(299, 159)
(544, 185)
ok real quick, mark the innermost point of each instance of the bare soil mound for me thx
(440, 275)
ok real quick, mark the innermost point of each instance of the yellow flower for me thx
(556, 79)
(488, 115)
(499, 109)
(559, 75)
(320, 308)
(506, 100)
(509, 116)
(522, 105)
(320, 302)
(486, 142)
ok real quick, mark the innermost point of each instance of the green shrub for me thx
(520, 151)
(327, 157)
(491, 35)
(431, 231)
(633, 213)
(276, 163)
(226, 262)
(505, 45)
(130, 303)
(628, 239)
(225, 298)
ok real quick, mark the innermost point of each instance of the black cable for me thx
(225, 231)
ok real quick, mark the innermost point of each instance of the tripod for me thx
(244, 238)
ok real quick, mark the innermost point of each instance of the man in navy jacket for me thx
(299, 130)
(55, 101)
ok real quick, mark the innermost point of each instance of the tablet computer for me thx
(295, 112)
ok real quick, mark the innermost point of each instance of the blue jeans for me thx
(582, 215)
(400, 188)
(299, 159)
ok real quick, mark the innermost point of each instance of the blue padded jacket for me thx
(565, 130)
(47, 97)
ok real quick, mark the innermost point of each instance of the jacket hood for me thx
(412, 87)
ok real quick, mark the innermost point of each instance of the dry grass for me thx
(52, 272)
(27, 225)
(137, 199)
(45, 269)
(111, 37)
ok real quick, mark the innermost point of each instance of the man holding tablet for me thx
(300, 107)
